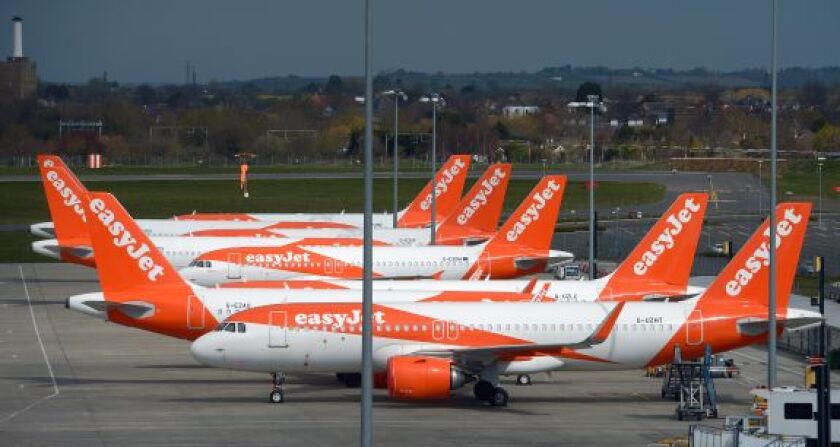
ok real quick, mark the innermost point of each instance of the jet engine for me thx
(423, 378)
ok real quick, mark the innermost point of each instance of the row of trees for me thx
(322, 122)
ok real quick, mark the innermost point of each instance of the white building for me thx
(517, 111)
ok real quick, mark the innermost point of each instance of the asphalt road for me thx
(68, 379)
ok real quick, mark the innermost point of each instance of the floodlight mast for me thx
(436, 100)
(397, 94)
(593, 102)
(366, 439)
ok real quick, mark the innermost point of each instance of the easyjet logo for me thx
(532, 212)
(760, 257)
(276, 258)
(487, 187)
(125, 240)
(69, 198)
(666, 240)
(442, 185)
(336, 319)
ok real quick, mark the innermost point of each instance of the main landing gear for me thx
(350, 380)
(487, 392)
(523, 380)
(277, 396)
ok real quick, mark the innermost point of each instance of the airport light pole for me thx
(366, 438)
(436, 100)
(397, 94)
(771, 308)
(593, 102)
(820, 161)
(760, 191)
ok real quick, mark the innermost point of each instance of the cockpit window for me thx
(231, 327)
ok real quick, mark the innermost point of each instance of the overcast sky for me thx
(150, 40)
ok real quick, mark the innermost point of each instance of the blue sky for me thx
(150, 40)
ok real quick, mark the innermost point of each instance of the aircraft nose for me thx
(208, 350)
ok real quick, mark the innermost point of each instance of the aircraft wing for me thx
(488, 354)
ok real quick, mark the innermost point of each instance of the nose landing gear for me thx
(277, 396)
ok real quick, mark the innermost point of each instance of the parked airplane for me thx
(59, 180)
(313, 257)
(658, 268)
(65, 196)
(450, 178)
(430, 349)
(133, 293)
(520, 247)
(198, 309)
(472, 221)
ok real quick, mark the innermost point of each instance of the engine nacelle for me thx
(422, 378)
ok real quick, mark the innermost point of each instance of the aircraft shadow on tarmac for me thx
(22, 302)
(303, 396)
(70, 381)
(174, 366)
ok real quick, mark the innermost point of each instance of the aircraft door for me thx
(694, 328)
(277, 329)
(234, 266)
(438, 330)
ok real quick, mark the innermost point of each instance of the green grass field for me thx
(23, 203)
(802, 179)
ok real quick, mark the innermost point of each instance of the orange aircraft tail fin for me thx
(532, 224)
(666, 253)
(142, 289)
(133, 261)
(449, 184)
(746, 277)
(65, 199)
(481, 207)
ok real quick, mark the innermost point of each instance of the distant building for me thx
(517, 111)
(658, 113)
(635, 121)
(18, 76)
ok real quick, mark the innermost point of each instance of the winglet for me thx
(449, 184)
(530, 286)
(606, 327)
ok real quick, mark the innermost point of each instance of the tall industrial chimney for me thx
(17, 37)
